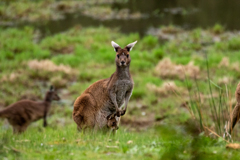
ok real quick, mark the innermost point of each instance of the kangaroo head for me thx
(122, 55)
(237, 93)
(52, 95)
(112, 122)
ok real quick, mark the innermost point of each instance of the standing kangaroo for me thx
(106, 96)
(22, 113)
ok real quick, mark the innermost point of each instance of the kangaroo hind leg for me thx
(84, 111)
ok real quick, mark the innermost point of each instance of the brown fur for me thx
(106, 96)
(236, 110)
(22, 113)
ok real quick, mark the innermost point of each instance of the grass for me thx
(158, 124)
(66, 143)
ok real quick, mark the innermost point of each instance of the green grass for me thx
(165, 142)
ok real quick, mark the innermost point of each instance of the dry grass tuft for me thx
(58, 82)
(235, 66)
(167, 69)
(225, 80)
(49, 66)
(166, 89)
(224, 62)
(10, 78)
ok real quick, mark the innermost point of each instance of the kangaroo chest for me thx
(122, 87)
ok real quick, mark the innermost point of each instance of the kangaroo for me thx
(22, 113)
(236, 110)
(112, 122)
(228, 128)
(106, 96)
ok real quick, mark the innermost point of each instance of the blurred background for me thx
(185, 65)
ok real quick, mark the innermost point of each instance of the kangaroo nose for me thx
(122, 62)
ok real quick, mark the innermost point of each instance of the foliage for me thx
(159, 142)
(74, 59)
(218, 29)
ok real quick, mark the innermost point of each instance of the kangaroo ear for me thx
(130, 46)
(115, 46)
(51, 88)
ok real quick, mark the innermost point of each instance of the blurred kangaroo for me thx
(112, 122)
(22, 113)
(236, 110)
(106, 96)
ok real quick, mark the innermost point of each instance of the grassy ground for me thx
(162, 142)
(171, 100)
(157, 123)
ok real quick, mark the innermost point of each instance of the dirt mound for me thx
(136, 123)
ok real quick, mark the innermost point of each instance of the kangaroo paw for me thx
(118, 113)
(122, 112)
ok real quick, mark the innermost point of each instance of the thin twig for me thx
(215, 134)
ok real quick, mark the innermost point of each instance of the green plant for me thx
(218, 29)
(149, 42)
(217, 104)
(158, 53)
(234, 44)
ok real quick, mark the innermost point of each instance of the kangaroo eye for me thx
(127, 55)
(118, 56)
